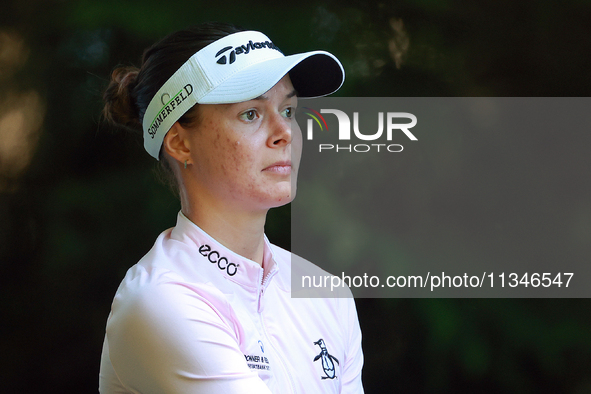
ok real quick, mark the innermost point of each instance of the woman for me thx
(208, 309)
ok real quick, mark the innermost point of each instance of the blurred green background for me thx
(79, 203)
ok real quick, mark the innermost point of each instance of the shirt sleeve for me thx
(169, 338)
(354, 364)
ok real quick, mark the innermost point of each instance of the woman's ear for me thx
(176, 143)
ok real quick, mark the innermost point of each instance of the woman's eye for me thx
(249, 115)
(288, 112)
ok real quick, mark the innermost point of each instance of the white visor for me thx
(236, 68)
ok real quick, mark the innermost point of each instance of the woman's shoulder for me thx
(164, 280)
(150, 291)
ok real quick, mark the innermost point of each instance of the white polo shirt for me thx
(194, 317)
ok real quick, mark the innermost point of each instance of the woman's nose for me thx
(280, 133)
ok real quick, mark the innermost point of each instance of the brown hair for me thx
(131, 89)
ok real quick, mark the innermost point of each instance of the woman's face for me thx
(247, 154)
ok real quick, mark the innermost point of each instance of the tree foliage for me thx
(79, 203)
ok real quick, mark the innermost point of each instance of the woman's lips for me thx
(280, 168)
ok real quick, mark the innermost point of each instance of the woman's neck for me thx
(240, 231)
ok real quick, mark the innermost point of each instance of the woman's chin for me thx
(282, 198)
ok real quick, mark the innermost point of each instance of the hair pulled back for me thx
(131, 89)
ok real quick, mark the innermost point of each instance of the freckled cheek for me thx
(234, 161)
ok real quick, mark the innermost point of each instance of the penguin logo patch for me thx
(327, 364)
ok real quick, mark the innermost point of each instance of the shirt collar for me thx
(219, 260)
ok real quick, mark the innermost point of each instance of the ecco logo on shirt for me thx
(214, 257)
(242, 49)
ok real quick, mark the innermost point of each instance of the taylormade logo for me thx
(242, 50)
(344, 132)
